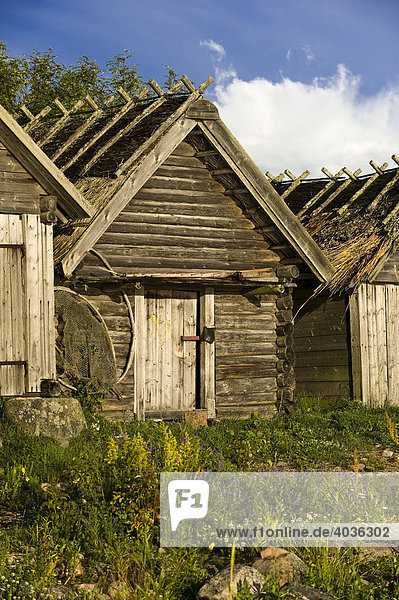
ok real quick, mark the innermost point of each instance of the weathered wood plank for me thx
(320, 374)
(184, 241)
(140, 354)
(392, 315)
(32, 237)
(207, 356)
(248, 385)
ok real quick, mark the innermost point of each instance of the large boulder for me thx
(217, 588)
(59, 418)
(283, 567)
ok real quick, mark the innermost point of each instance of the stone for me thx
(283, 569)
(297, 591)
(271, 552)
(196, 418)
(91, 590)
(59, 592)
(217, 588)
(119, 591)
(387, 453)
(373, 553)
(59, 418)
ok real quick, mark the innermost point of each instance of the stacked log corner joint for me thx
(284, 340)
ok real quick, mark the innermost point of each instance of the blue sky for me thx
(329, 59)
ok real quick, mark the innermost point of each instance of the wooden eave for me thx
(41, 167)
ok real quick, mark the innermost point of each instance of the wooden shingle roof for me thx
(353, 218)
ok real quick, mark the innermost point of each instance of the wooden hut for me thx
(187, 260)
(346, 333)
(30, 186)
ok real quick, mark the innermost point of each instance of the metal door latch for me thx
(207, 335)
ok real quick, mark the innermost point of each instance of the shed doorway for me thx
(167, 368)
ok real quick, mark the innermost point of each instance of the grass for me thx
(93, 505)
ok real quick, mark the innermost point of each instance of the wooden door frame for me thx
(206, 351)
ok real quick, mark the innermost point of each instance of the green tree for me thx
(37, 79)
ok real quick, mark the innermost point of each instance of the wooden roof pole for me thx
(379, 171)
(329, 184)
(61, 121)
(389, 185)
(125, 167)
(123, 111)
(341, 188)
(296, 181)
(129, 127)
(98, 112)
(29, 127)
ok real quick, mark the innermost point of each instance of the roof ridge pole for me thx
(296, 181)
(329, 184)
(341, 188)
(369, 181)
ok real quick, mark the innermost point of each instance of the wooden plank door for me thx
(165, 366)
(12, 307)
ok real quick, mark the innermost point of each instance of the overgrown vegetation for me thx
(90, 511)
(37, 79)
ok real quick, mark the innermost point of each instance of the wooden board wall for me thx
(181, 220)
(26, 304)
(19, 192)
(245, 350)
(245, 355)
(321, 345)
(375, 342)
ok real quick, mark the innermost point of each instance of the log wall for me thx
(181, 220)
(245, 355)
(322, 346)
(19, 192)
(390, 271)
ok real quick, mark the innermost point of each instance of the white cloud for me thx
(288, 55)
(297, 126)
(217, 49)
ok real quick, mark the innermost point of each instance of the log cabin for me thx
(346, 333)
(174, 257)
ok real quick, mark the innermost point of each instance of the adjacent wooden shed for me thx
(347, 333)
(187, 262)
(29, 186)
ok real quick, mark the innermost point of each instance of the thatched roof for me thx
(108, 153)
(353, 219)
